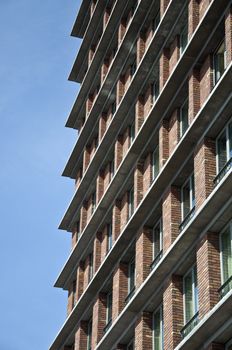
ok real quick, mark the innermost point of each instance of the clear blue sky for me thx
(36, 56)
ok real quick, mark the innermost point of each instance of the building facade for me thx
(151, 216)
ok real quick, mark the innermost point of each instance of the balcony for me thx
(187, 218)
(105, 329)
(156, 260)
(225, 288)
(223, 172)
(190, 325)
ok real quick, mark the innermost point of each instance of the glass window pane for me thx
(184, 123)
(131, 275)
(188, 296)
(155, 163)
(186, 199)
(184, 38)
(157, 240)
(230, 140)
(226, 255)
(219, 62)
(195, 290)
(193, 191)
(221, 149)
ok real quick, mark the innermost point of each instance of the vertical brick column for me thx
(127, 79)
(126, 141)
(91, 53)
(171, 209)
(104, 69)
(204, 170)
(148, 101)
(143, 331)
(86, 158)
(173, 312)
(70, 299)
(164, 67)
(194, 94)
(147, 173)
(97, 251)
(80, 280)
(206, 79)
(106, 17)
(208, 272)
(99, 319)
(118, 152)
(83, 216)
(81, 336)
(120, 289)
(139, 113)
(228, 35)
(193, 17)
(89, 103)
(78, 178)
(74, 237)
(163, 142)
(124, 210)
(204, 4)
(174, 54)
(120, 89)
(141, 46)
(143, 254)
(116, 220)
(121, 30)
(216, 346)
(138, 183)
(106, 176)
(100, 186)
(174, 131)
(86, 273)
(102, 126)
(104, 243)
(163, 6)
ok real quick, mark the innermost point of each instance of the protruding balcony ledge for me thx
(225, 288)
(187, 218)
(218, 201)
(222, 173)
(156, 260)
(216, 102)
(130, 295)
(190, 325)
(82, 19)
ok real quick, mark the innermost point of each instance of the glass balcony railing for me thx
(225, 288)
(187, 218)
(156, 260)
(190, 325)
(223, 172)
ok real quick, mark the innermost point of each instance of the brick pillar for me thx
(78, 178)
(86, 158)
(204, 170)
(171, 208)
(163, 6)
(120, 89)
(149, 35)
(147, 173)
(104, 69)
(121, 30)
(102, 126)
(126, 142)
(228, 35)
(139, 113)
(99, 319)
(193, 17)
(106, 17)
(91, 54)
(86, 273)
(208, 272)
(143, 254)
(74, 237)
(164, 67)
(148, 101)
(163, 142)
(81, 336)
(194, 94)
(116, 220)
(118, 152)
(138, 183)
(104, 243)
(216, 346)
(70, 299)
(173, 312)
(97, 251)
(100, 186)
(80, 280)
(204, 4)
(141, 46)
(143, 331)
(174, 131)
(107, 176)
(206, 79)
(127, 79)
(83, 216)
(120, 289)
(174, 53)
(89, 103)
(124, 210)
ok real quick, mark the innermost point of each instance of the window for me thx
(219, 61)
(155, 163)
(224, 147)
(131, 276)
(158, 329)
(131, 133)
(133, 68)
(78, 230)
(93, 201)
(157, 239)
(90, 266)
(226, 259)
(108, 308)
(155, 90)
(111, 169)
(74, 292)
(187, 197)
(183, 38)
(190, 294)
(109, 237)
(130, 346)
(156, 21)
(89, 334)
(113, 108)
(184, 122)
(131, 202)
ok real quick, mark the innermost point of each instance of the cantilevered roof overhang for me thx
(82, 19)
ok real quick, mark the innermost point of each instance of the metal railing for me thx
(157, 259)
(190, 325)
(130, 295)
(225, 288)
(187, 218)
(223, 172)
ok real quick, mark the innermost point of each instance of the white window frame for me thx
(195, 306)
(228, 225)
(109, 295)
(159, 222)
(226, 128)
(130, 206)
(153, 165)
(159, 308)
(132, 261)
(214, 54)
(109, 237)
(181, 117)
(90, 266)
(93, 202)
(191, 180)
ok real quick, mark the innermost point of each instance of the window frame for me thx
(155, 90)
(154, 176)
(131, 205)
(109, 307)
(159, 222)
(215, 80)
(109, 237)
(182, 32)
(90, 275)
(228, 225)
(158, 309)
(191, 180)
(195, 305)
(181, 117)
(89, 334)
(226, 129)
(129, 288)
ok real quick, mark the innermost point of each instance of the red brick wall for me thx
(70, 299)
(120, 89)
(121, 30)
(102, 126)
(118, 152)
(141, 46)
(206, 79)
(173, 312)
(86, 273)
(164, 67)
(163, 6)
(228, 35)
(81, 336)
(174, 54)
(149, 35)
(174, 131)
(147, 101)
(104, 243)
(194, 94)
(204, 170)
(193, 17)
(99, 319)
(126, 142)
(120, 289)
(124, 210)
(147, 173)
(204, 4)
(83, 216)
(139, 113)
(163, 142)
(80, 280)
(116, 220)
(138, 183)
(106, 17)
(143, 254)
(208, 272)
(97, 251)
(143, 331)
(86, 158)
(100, 186)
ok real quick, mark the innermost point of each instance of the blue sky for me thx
(36, 56)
